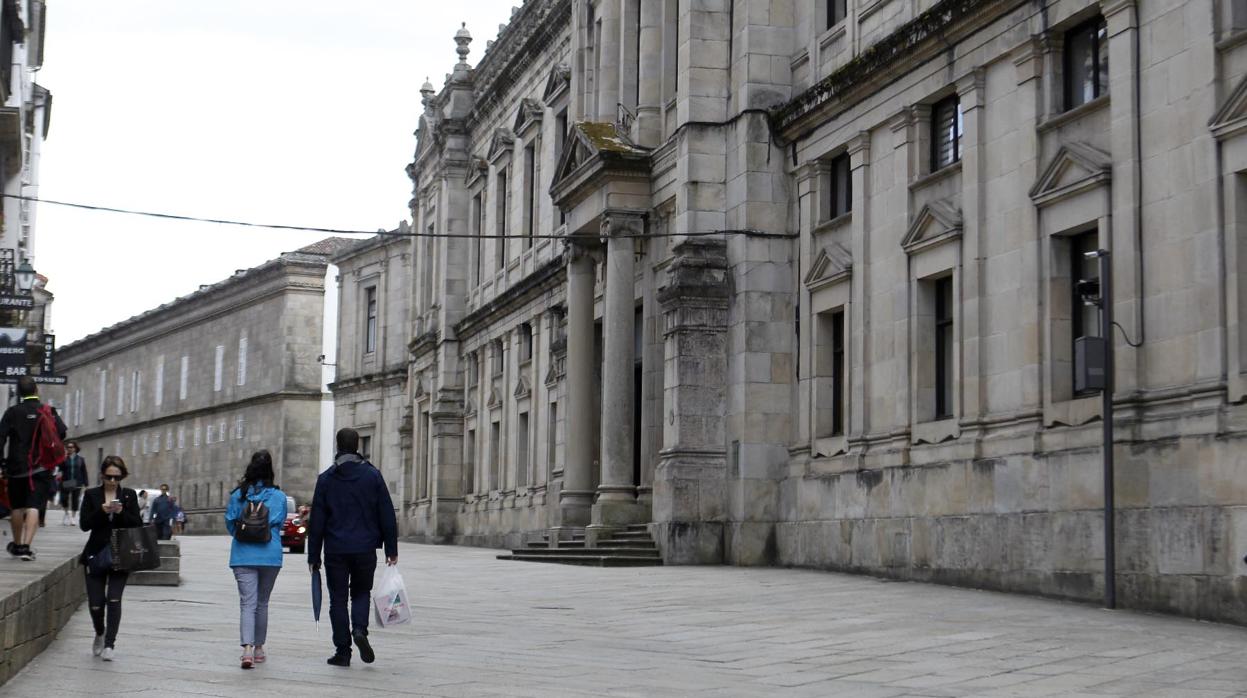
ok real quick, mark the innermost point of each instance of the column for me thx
(648, 129)
(971, 92)
(608, 61)
(616, 503)
(576, 497)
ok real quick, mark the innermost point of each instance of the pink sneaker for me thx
(259, 655)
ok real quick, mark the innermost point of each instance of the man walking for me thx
(162, 514)
(352, 516)
(29, 485)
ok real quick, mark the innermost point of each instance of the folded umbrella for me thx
(316, 595)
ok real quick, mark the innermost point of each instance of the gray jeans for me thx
(255, 584)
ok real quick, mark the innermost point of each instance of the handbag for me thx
(135, 549)
(101, 562)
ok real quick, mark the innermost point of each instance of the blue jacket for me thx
(351, 511)
(257, 554)
(162, 509)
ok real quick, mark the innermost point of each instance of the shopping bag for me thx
(389, 598)
(135, 549)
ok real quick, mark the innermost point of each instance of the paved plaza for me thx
(491, 628)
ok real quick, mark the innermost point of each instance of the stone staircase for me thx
(168, 574)
(629, 547)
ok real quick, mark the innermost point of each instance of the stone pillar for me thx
(608, 61)
(576, 497)
(616, 504)
(971, 92)
(648, 129)
(690, 485)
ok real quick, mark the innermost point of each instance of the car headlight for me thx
(302, 529)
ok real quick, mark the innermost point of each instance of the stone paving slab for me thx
(486, 627)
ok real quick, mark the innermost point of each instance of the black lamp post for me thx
(1099, 292)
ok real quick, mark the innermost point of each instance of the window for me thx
(196, 439)
(222, 432)
(160, 380)
(469, 462)
(365, 446)
(530, 198)
(526, 342)
(1084, 319)
(495, 444)
(836, 12)
(502, 200)
(370, 328)
(242, 360)
(136, 382)
(945, 133)
(839, 187)
(181, 436)
(240, 427)
(183, 378)
(78, 410)
(560, 132)
(1086, 62)
(169, 439)
(472, 369)
(218, 368)
(121, 392)
(552, 435)
(497, 357)
(830, 371)
(521, 447)
(103, 392)
(478, 229)
(944, 350)
(209, 433)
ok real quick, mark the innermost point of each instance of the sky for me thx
(298, 112)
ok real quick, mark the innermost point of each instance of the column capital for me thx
(1110, 8)
(970, 89)
(858, 149)
(619, 222)
(1028, 59)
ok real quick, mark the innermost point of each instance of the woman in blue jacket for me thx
(255, 558)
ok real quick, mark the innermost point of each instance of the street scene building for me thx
(25, 115)
(370, 387)
(795, 283)
(186, 392)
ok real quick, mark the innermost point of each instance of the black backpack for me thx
(253, 525)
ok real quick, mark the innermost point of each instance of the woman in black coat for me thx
(105, 508)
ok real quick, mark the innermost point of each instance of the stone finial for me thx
(463, 37)
(426, 93)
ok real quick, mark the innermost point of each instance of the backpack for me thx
(253, 525)
(46, 448)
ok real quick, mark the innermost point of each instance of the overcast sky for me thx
(283, 111)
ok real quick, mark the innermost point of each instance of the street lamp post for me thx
(1106, 331)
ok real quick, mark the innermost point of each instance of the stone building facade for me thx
(370, 384)
(793, 282)
(186, 392)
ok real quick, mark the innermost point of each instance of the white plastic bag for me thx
(389, 598)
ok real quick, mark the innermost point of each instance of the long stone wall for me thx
(31, 615)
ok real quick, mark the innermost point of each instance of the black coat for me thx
(92, 518)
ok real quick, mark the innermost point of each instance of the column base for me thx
(574, 509)
(618, 514)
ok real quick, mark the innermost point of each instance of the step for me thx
(563, 545)
(615, 543)
(589, 561)
(586, 552)
(629, 535)
(155, 578)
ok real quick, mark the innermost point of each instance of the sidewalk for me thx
(492, 628)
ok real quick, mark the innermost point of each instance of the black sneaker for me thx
(28, 554)
(340, 659)
(365, 649)
(12, 548)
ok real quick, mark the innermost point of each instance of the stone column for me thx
(971, 92)
(690, 484)
(616, 503)
(576, 497)
(648, 129)
(608, 61)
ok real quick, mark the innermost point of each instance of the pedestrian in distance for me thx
(179, 517)
(73, 476)
(29, 483)
(254, 517)
(145, 507)
(105, 508)
(352, 516)
(162, 514)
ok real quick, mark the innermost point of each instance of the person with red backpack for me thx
(35, 437)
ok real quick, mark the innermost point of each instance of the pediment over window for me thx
(495, 399)
(1075, 168)
(522, 387)
(832, 264)
(1231, 119)
(528, 116)
(478, 169)
(501, 144)
(593, 148)
(557, 84)
(936, 223)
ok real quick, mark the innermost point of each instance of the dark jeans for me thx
(70, 499)
(164, 531)
(104, 592)
(349, 573)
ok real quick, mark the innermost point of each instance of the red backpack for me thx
(46, 448)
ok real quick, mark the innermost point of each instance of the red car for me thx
(294, 533)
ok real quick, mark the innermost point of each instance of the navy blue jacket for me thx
(162, 510)
(351, 511)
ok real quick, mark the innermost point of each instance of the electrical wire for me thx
(750, 232)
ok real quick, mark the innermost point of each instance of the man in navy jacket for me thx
(352, 516)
